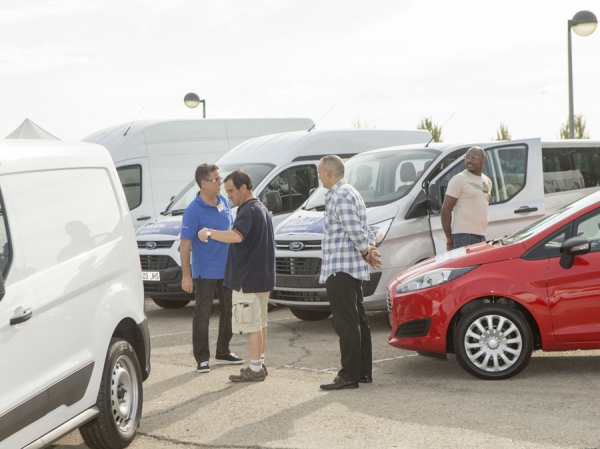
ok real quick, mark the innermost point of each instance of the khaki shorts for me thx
(249, 312)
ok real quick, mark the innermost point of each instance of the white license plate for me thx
(150, 275)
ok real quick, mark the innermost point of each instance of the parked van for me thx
(153, 157)
(530, 179)
(283, 168)
(74, 341)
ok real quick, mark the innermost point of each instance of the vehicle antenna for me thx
(138, 114)
(441, 128)
(315, 124)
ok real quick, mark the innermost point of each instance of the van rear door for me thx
(515, 168)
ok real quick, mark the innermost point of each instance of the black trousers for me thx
(205, 294)
(351, 324)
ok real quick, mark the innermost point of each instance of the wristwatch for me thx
(208, 234)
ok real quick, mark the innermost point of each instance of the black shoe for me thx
(366, 380)
(339, 384)
(203, 367)
(230, 358)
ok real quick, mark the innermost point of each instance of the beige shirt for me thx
(470, 214)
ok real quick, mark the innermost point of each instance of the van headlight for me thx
(432, 278)
(380, 230)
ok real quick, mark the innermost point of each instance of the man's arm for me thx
(446, 215)
(187, 284)
(220, 236)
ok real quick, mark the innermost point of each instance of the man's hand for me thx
(373, 258)
(187, 284)
(203, 235)
(449, 245)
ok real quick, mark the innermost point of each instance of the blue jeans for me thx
(461, 239)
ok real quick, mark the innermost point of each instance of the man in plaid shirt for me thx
(348, 250)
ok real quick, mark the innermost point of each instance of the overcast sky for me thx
(77, 66)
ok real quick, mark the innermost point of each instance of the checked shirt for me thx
(345, 233)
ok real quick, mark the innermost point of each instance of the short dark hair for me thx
(239, 177)
(203, 171)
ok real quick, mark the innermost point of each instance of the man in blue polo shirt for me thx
(205, 273)
(250, 270)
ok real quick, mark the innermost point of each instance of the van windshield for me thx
(381, 177)
(257, 173)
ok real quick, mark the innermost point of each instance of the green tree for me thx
(580, 131)
(502, 133)
(436, 131)
(361, 124)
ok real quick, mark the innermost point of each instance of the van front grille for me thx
(160, 244)
(296, 296)
(156, 263)
(307, 245)
(309, 266)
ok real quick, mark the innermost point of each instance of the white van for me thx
(153, 157)
(74, 341)
(529, 178)
(283, 168)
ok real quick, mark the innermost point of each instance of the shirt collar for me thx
(334, 188)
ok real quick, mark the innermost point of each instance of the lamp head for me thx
(191, 100)
(584, 23)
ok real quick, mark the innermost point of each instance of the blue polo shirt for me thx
(251, 263)
(208, 259)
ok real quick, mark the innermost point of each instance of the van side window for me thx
(570, 168)
(5, 252)
(131, 179)
(58, 231)
(293, 185)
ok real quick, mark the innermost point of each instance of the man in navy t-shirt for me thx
(250, 269)
(209, 209)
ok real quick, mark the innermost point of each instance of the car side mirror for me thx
(434, 197)
(273, 202)
(575, 246)
(311, 191)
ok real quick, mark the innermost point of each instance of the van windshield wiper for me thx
(317, 208)
(177, 211)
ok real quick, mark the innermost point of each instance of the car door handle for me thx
(525, 209)
(143, 218)
(27, 313)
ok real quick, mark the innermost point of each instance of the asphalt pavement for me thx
(414, 401)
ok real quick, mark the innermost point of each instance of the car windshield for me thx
(381, 177)
(257, 173)
(550, 220)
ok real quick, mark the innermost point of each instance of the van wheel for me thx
(310, 315)
(170, 304)
(119, 400)
(493, 342)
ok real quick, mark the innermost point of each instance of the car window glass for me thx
(131, 179)
(589, 228)
(294, 186)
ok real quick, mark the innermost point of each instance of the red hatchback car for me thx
(493, 303)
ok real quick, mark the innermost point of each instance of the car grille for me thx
(156, 263)
(309, 245)
(309, 266)
(388, 302)
(160, 244)
(296, 296)
(416, 328)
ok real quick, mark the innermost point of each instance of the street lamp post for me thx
(192, 100)
(583, 23)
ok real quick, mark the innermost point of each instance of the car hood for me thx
(162, 228)
(478, 254)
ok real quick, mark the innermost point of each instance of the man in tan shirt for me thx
(467, 198)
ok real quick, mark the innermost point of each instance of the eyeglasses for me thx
(473, 158)
(214, 180)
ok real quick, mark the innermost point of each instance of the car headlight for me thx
(380, 230)
(432, 278)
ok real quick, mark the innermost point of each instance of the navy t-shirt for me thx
(251, 263)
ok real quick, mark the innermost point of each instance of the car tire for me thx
(493, 342)
(310, 315)
(170, 304)
(120, 400)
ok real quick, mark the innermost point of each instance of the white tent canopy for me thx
(29, 130)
